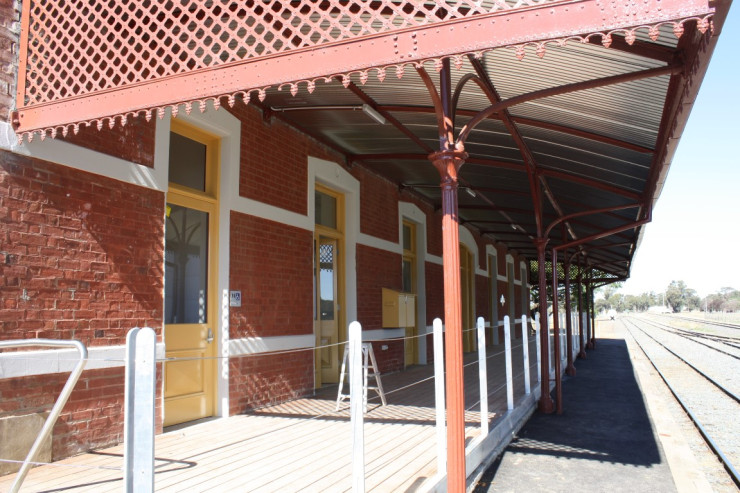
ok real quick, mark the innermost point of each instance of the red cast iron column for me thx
(546, 404)
(448, 163)
(556, 334)
(570, 369)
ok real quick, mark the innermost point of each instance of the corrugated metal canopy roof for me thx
(594, 149)
(590, 96)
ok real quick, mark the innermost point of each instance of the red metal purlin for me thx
(471, 32)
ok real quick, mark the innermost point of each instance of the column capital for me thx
(448, 164)
(540, 242)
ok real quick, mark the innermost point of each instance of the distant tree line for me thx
(676, 297)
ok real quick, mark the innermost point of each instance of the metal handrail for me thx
(58, 405)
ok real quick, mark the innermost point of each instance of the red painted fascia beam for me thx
(695, 53)
(640, 48)
(429, 41)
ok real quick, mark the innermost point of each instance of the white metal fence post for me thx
(439, 396)
(509, 382)
(138, 420)
(356, 405)
(551, 335)
(525, 354)
(537, 341)
(483, 377)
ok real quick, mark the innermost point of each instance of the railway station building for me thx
(247, 178)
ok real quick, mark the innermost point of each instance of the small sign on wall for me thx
(235, 298)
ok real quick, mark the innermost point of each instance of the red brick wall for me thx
(378, 207)
(390, 359)
(272, 265)
(93, 417)
(274, 160)
(133, 142)
(376, 269)
(430, 348)
(435, 292)
(434, 234)
(482, 296)
(259, 380)
(9, 29)
(80, 257)
(87, 250)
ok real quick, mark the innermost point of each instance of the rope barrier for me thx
(207, 358)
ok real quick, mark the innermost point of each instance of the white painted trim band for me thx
(258, 345)
(31, 363)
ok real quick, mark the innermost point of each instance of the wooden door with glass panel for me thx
(190, 266)
(328, 309)
(328, 285)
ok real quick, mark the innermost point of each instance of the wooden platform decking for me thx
(302, 445)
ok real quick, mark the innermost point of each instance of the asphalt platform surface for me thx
(603, 441)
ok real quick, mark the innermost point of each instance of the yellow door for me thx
(189, 307)
(327, 310)
(191, 263)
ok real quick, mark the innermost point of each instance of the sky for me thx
(695, 232)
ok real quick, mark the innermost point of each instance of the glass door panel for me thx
(327, 309)
(188, 334)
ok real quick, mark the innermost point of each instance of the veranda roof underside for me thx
(585, 97)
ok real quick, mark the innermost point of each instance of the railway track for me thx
(710, 404)
(726, 341)
(703, 321)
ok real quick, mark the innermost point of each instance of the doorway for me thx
(328, 284)
(191, 262)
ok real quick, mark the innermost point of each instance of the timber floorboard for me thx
(304, 444)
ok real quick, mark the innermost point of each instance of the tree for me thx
(677, 295)
(726, 300)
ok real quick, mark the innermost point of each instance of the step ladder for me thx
(368, 356)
